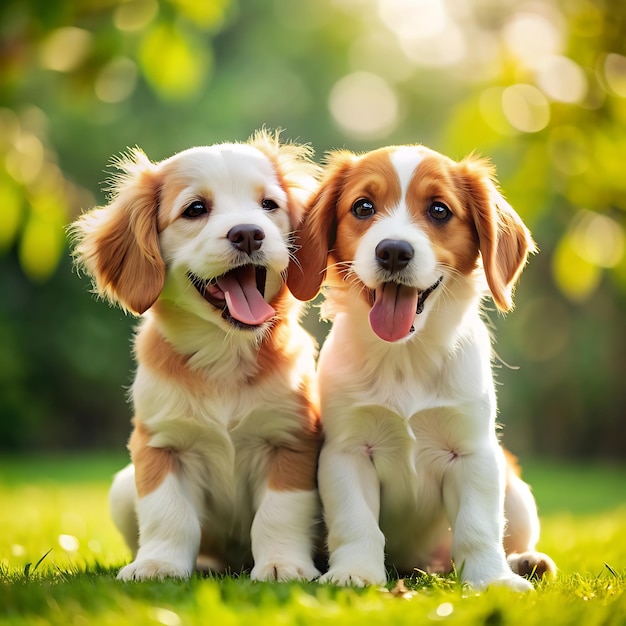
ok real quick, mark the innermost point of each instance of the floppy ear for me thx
(504, 240)
(118, 244)
(316, 236)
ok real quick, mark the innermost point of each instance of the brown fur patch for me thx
(483, 220)
(294, 467)
(512, 464)
(455, 242)
(374, 178)
(156, 353)
(504, 240)
(278, 349)
(118, 244)
(152, 464)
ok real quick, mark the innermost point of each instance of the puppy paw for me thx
(278, 571)
(150, 569)
(353, 577)
(533, 565)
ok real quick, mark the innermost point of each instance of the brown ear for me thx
(504, 240)
(118, 244)
(316, 236)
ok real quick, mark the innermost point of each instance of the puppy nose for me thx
(393, 255)
(246, 237)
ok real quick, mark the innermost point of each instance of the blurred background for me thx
(538, 86)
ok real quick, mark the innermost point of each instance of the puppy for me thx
(406, 238)
(226, 435)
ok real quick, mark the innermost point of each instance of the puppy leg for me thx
(473, 493)
(350, 492)
(169, 526)
(282, 530)
(123, 505)
(169, 534)
(522, 532)
(281, 536)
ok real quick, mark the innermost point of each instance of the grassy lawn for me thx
(59, 554)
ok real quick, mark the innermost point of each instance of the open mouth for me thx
(239, 294)
(395, 307)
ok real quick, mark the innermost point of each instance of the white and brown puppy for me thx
(225, 439)
(407, 238)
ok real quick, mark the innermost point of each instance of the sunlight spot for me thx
(25, 160)
(18, 550)
(532, 37)
(65, 49)
(69, 543)
(443, 50)
(425, 32)
(413, 19)
(165, 616)
(364, 105)
(490, 106)
(135, 15)
(444, 610)
(576, 277)
(116, 80)
(526, 108)
(598, 239)
(615, 73)
(562, 79)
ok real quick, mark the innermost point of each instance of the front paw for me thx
(354, 577)
(533, 565)
(281, 571)
(150, 569)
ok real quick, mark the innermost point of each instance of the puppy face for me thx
(401, 225)
(208, 229)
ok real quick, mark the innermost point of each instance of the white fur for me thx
(410, 446)
(222, 431)
(169, 535)
(279, 532)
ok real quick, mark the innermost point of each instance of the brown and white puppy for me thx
(409, 242)
(226, 436)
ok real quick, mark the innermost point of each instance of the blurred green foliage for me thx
(539, 86)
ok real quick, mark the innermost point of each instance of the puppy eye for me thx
(269, 205)
(195, 209)
(439, 211)
(363, 208)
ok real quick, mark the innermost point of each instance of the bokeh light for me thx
(116, 80)
(65, 49)
(364, 105)
(526, 108)
(562, 79)
(135, 14)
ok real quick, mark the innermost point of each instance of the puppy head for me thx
(401, 225)
(208, 229)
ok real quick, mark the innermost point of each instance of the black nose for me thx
(246, 237)
(393, 255)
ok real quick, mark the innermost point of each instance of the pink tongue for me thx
(393, 313)
(244, 300)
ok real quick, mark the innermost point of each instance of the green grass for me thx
(59, 554)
